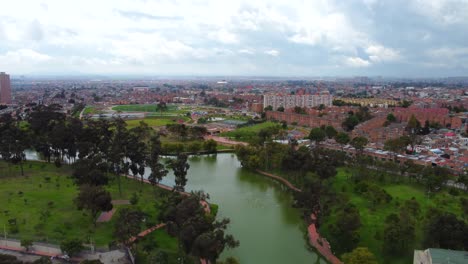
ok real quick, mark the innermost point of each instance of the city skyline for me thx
(236, 38)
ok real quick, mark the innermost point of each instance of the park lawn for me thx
(247, 133)
(373, 220)
(91, 110)
(26, 198)
(160, 240)
(152, 122)
(145, 108)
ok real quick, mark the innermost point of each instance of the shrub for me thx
(71, 246)
(134, 199)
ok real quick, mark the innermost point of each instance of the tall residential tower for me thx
(5, 88)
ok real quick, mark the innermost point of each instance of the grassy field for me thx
(246, 133)
(145, 108)
(91, 110)
(42, 204)
(152, 122)
(373, 220)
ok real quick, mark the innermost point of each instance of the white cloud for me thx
(448, 53)
(224, 36)
(447, 12)
(246, 51)
(23, 56)
(379, 53)
(272, 52)
(196, 36)
(356, 62)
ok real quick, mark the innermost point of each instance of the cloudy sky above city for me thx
(420, 38)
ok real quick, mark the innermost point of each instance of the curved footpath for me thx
(318, 242)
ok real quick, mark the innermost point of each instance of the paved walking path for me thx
(320, 243)
(280, 179)
(146, 232)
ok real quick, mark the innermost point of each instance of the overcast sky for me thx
(217, 37)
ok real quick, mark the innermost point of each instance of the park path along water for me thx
(270, 231)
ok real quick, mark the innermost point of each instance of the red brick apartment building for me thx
(375, 131)
(439, 115)
(306, 120)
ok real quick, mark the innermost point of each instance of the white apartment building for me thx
(292, 100)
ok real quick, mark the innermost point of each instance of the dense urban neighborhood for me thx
(374, 166)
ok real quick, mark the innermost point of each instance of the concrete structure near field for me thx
(5, 88)
(440, 256)
(293, 100)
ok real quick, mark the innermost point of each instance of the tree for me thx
(299, 110)
(180, 167)
(94, 199)
(94, 261)
(90, 171)
(210, 146)
(414, 130)
(117, 150)
(350, 122)
(158, 171)
(405, 103)
(71, 246)
(162, 106)
(280, 109)
(391, 118)
(317, 134)
(446, 231)
(360, 255)
(128, 224)
(198, 234)
(342, 138)
(330, 131)
(13, 142)
(435, 178)
(359, 143)
(26, 243)
(43, 260)
(396, 145)
(158, 257)
(268, 108)
(399, 234)
(345, 231)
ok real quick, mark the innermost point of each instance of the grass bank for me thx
(373, 220)
(42, 204)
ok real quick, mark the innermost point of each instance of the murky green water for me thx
(270, 231)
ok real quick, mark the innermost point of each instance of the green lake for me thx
(270, 231)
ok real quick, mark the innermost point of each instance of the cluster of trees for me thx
(199, 233)
(207, 146)
(313, 170)
(10, 259)
(108, 149)
(457, 109)
(354, 119)
(215, 102)
(184, 132)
